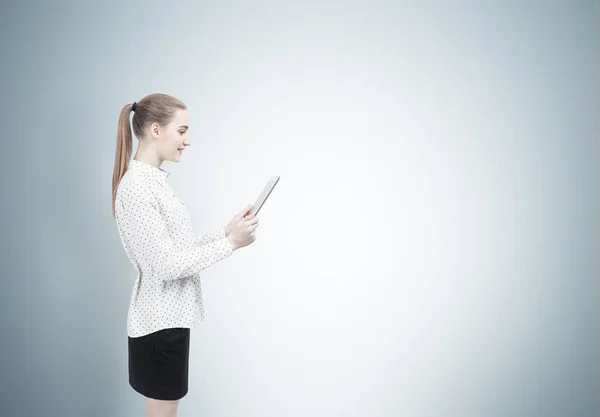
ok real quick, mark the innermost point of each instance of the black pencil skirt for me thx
(159, 362)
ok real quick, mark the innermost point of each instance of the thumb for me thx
(245, 211)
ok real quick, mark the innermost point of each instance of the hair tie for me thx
(133, 106)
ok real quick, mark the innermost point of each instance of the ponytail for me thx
(123, 152)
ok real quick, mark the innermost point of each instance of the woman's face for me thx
(172, 138)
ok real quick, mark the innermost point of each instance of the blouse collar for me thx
(155, 172)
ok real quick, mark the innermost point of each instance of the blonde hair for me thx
(159, 108)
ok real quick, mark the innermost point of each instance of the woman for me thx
(156, 232)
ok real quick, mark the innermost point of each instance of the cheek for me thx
(170, 145)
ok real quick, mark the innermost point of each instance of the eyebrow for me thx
(186, 127)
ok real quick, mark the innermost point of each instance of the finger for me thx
(245, 211)
(248, 211)
(251, 226)
(251, 220)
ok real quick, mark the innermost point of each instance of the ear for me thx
(154, 130)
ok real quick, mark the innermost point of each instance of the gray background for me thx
(429, 251)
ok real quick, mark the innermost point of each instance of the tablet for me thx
(265, 194)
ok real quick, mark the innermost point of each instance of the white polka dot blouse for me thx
(156, 231)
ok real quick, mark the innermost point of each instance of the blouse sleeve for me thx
(210, 237)
(145, 232)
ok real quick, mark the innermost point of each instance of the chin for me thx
(175, 158)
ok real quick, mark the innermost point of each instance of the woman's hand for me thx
(241, 229)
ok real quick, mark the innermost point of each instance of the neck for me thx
(148, 156)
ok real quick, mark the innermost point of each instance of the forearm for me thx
(177, 264)
(212, 236)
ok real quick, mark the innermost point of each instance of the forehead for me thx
(180, 118)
